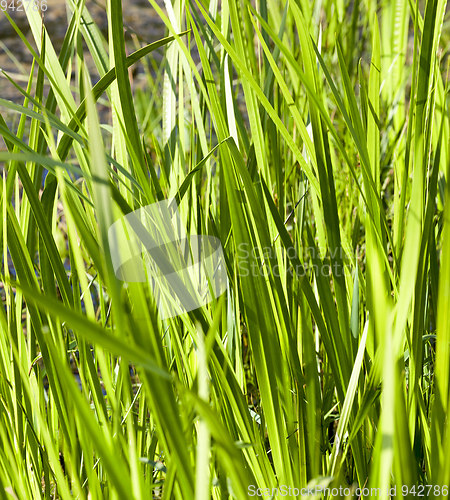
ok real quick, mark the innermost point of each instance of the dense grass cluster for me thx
(312, 139)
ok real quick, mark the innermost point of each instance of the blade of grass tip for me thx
(189, 177)
(228, 76)
(354, 316)
(369, 182)
(362, 147)
(64, 59)
(101, 86)
(400, 48)
(92, 36)
(371, 395)
(190, 70)
(265, 103)
(153, 174)
(170, 92)
(345, 414)
(246, 53)
(351, 98)
(52, 66)
(286, 92)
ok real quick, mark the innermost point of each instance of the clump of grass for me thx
(312, 140)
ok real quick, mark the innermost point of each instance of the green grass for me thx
(310, 138)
